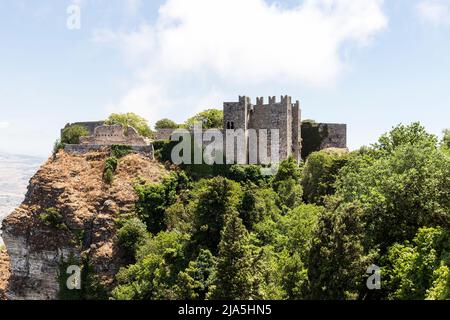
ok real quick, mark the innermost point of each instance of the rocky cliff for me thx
(4, 273)
(73, 188)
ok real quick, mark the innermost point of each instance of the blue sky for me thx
(368, 63)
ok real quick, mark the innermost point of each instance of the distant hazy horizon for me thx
(15, 173)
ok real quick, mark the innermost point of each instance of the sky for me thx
(369, 63)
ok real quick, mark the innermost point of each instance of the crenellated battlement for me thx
(283, 115)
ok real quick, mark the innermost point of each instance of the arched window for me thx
(230, 125)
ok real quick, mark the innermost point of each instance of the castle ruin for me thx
(296, 137)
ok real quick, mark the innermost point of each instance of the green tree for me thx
(286, 184)
(320, 173)
(402, 184)
(109, 169)
(246, 173)
(419, 270)
(73, 133)
(131, 235)
(337, 261)
(154, 275)
(213, 200)
(155, 198)
(210, 119)
(195, 281)
(405, 135)
(130, 120)
(446, 138)
(166, 124)
(257, 204)
(234, 273)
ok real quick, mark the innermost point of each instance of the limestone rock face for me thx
(4, 273)
(73, 185)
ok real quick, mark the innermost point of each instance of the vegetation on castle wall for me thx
(243, 236)
(131, 120)
(313, 135)
(73, 133)
(70, 135)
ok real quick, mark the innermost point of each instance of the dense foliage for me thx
(211, 118)
(309, 232)
(73, 133)
(166, 124)
(130, 120)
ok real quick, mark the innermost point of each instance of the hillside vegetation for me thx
(309, 232)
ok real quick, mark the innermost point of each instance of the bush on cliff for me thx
(109, 170)
(52, 217)
(72, 134)
(131, 235)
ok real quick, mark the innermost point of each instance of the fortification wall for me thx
(79, 149)
(111, 135)
(164, 134)
(319, 136)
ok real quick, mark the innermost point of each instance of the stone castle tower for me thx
(282, 115)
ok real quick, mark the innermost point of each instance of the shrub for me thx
(72, 134)
(163, 149)
(166, 124)
(52, 217)
(131, 235)
(319, 175)
(119, 151)
(57, 146)
(155, 198)
(110, 169)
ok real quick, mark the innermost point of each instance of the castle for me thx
(283, 116)
(296, 137)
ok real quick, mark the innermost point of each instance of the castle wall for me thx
(89, 125)
(110, 135)
(319, 136)
(236, 116)
(274, 115)
(296, 131)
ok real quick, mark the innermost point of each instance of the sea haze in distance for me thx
(15, 173)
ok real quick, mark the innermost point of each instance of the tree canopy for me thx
(130, 120)
(309, 232)
(166, 124)
(210, 119)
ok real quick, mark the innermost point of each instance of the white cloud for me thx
(4, 125)
(435, 12)
(197, 45)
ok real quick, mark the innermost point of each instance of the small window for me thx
(228, 125)
(232, 125)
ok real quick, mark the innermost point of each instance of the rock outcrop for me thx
(72, 186)
(4, 273)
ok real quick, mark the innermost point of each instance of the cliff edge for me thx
(69, 212)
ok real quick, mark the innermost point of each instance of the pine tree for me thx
(194, 282)
(233, 280)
